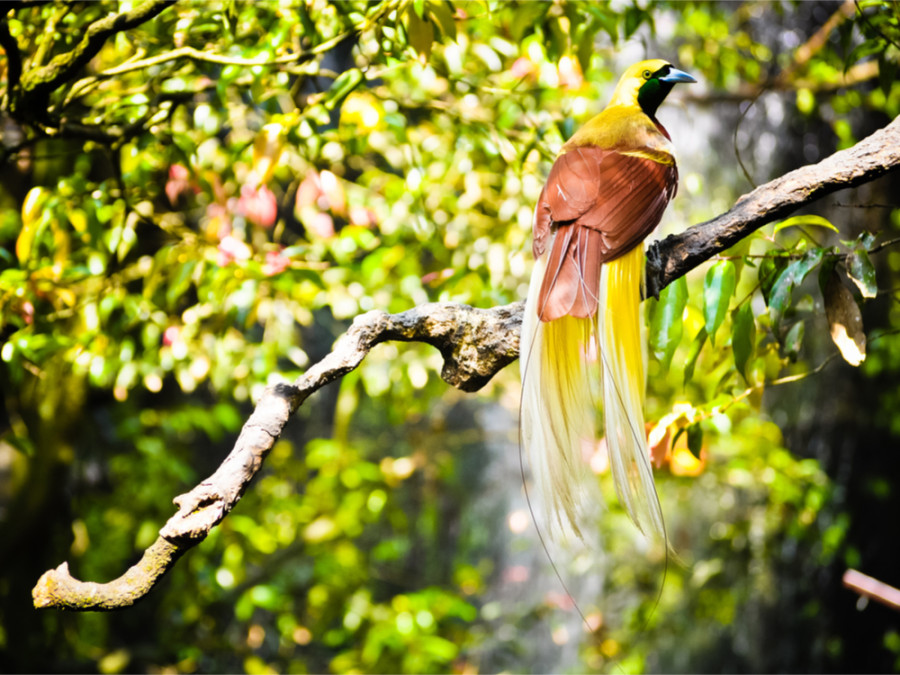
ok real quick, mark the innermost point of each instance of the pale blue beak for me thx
(674, 75)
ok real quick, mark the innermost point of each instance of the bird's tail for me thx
(556, 406)
(623, 357)
(560, 390)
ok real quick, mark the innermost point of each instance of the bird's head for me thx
(647, 83)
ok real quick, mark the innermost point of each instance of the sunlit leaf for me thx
(443, 17)
(421, 32)
(805, 221)
(718, 287)
(344, 84)
(31, 223)
(667, 326)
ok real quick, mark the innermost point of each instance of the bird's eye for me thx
(647, 74)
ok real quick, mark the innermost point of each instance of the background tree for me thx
(197, 201)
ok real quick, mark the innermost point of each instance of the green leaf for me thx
(230, 17)
(793, 275)
(769, 270)
(345, 83)
(443, 18)
(421, 33)
(696, 348)
(439, 648)
(181, 281)
(634, 17)
(863, 50)
(794, 340)
(804, 221)
(695, 439)
(566, 127)
(743, 337)
(667, 326)
(862, 272)
(527, 16)
(718, 287)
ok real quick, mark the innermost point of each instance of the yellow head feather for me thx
(635, 77)
(627, 124)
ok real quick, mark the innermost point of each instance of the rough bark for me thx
(475, 345)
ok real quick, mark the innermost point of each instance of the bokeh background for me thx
(198, 212)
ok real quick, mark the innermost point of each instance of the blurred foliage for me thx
(201, 209)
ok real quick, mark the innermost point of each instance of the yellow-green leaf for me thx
(743, 337)
(805, 221)
(31, 223)
(667, 326)
(421, 33)
(718, 287)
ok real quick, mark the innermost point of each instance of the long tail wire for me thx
(534, 519)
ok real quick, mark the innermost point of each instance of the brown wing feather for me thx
(574, 184)
(571, 280)
(540, 231)
(590, 245)
(561, 275)
(602, 204)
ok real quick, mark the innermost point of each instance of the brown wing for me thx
(601, 204)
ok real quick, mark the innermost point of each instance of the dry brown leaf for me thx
(845, 321)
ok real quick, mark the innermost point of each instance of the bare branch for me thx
(676, 255)
(57, 588)
(819, 39)
(872, 588)
(188, 52)
(845, 79)
(475, 344)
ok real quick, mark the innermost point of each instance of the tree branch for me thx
(869, 587)
(37, 85)
(475, 345)
(676, 255)
(13, 56)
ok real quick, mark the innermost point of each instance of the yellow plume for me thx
(560, 393)
(623, 360)
(556, 411)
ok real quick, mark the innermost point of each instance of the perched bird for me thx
(606, 192)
